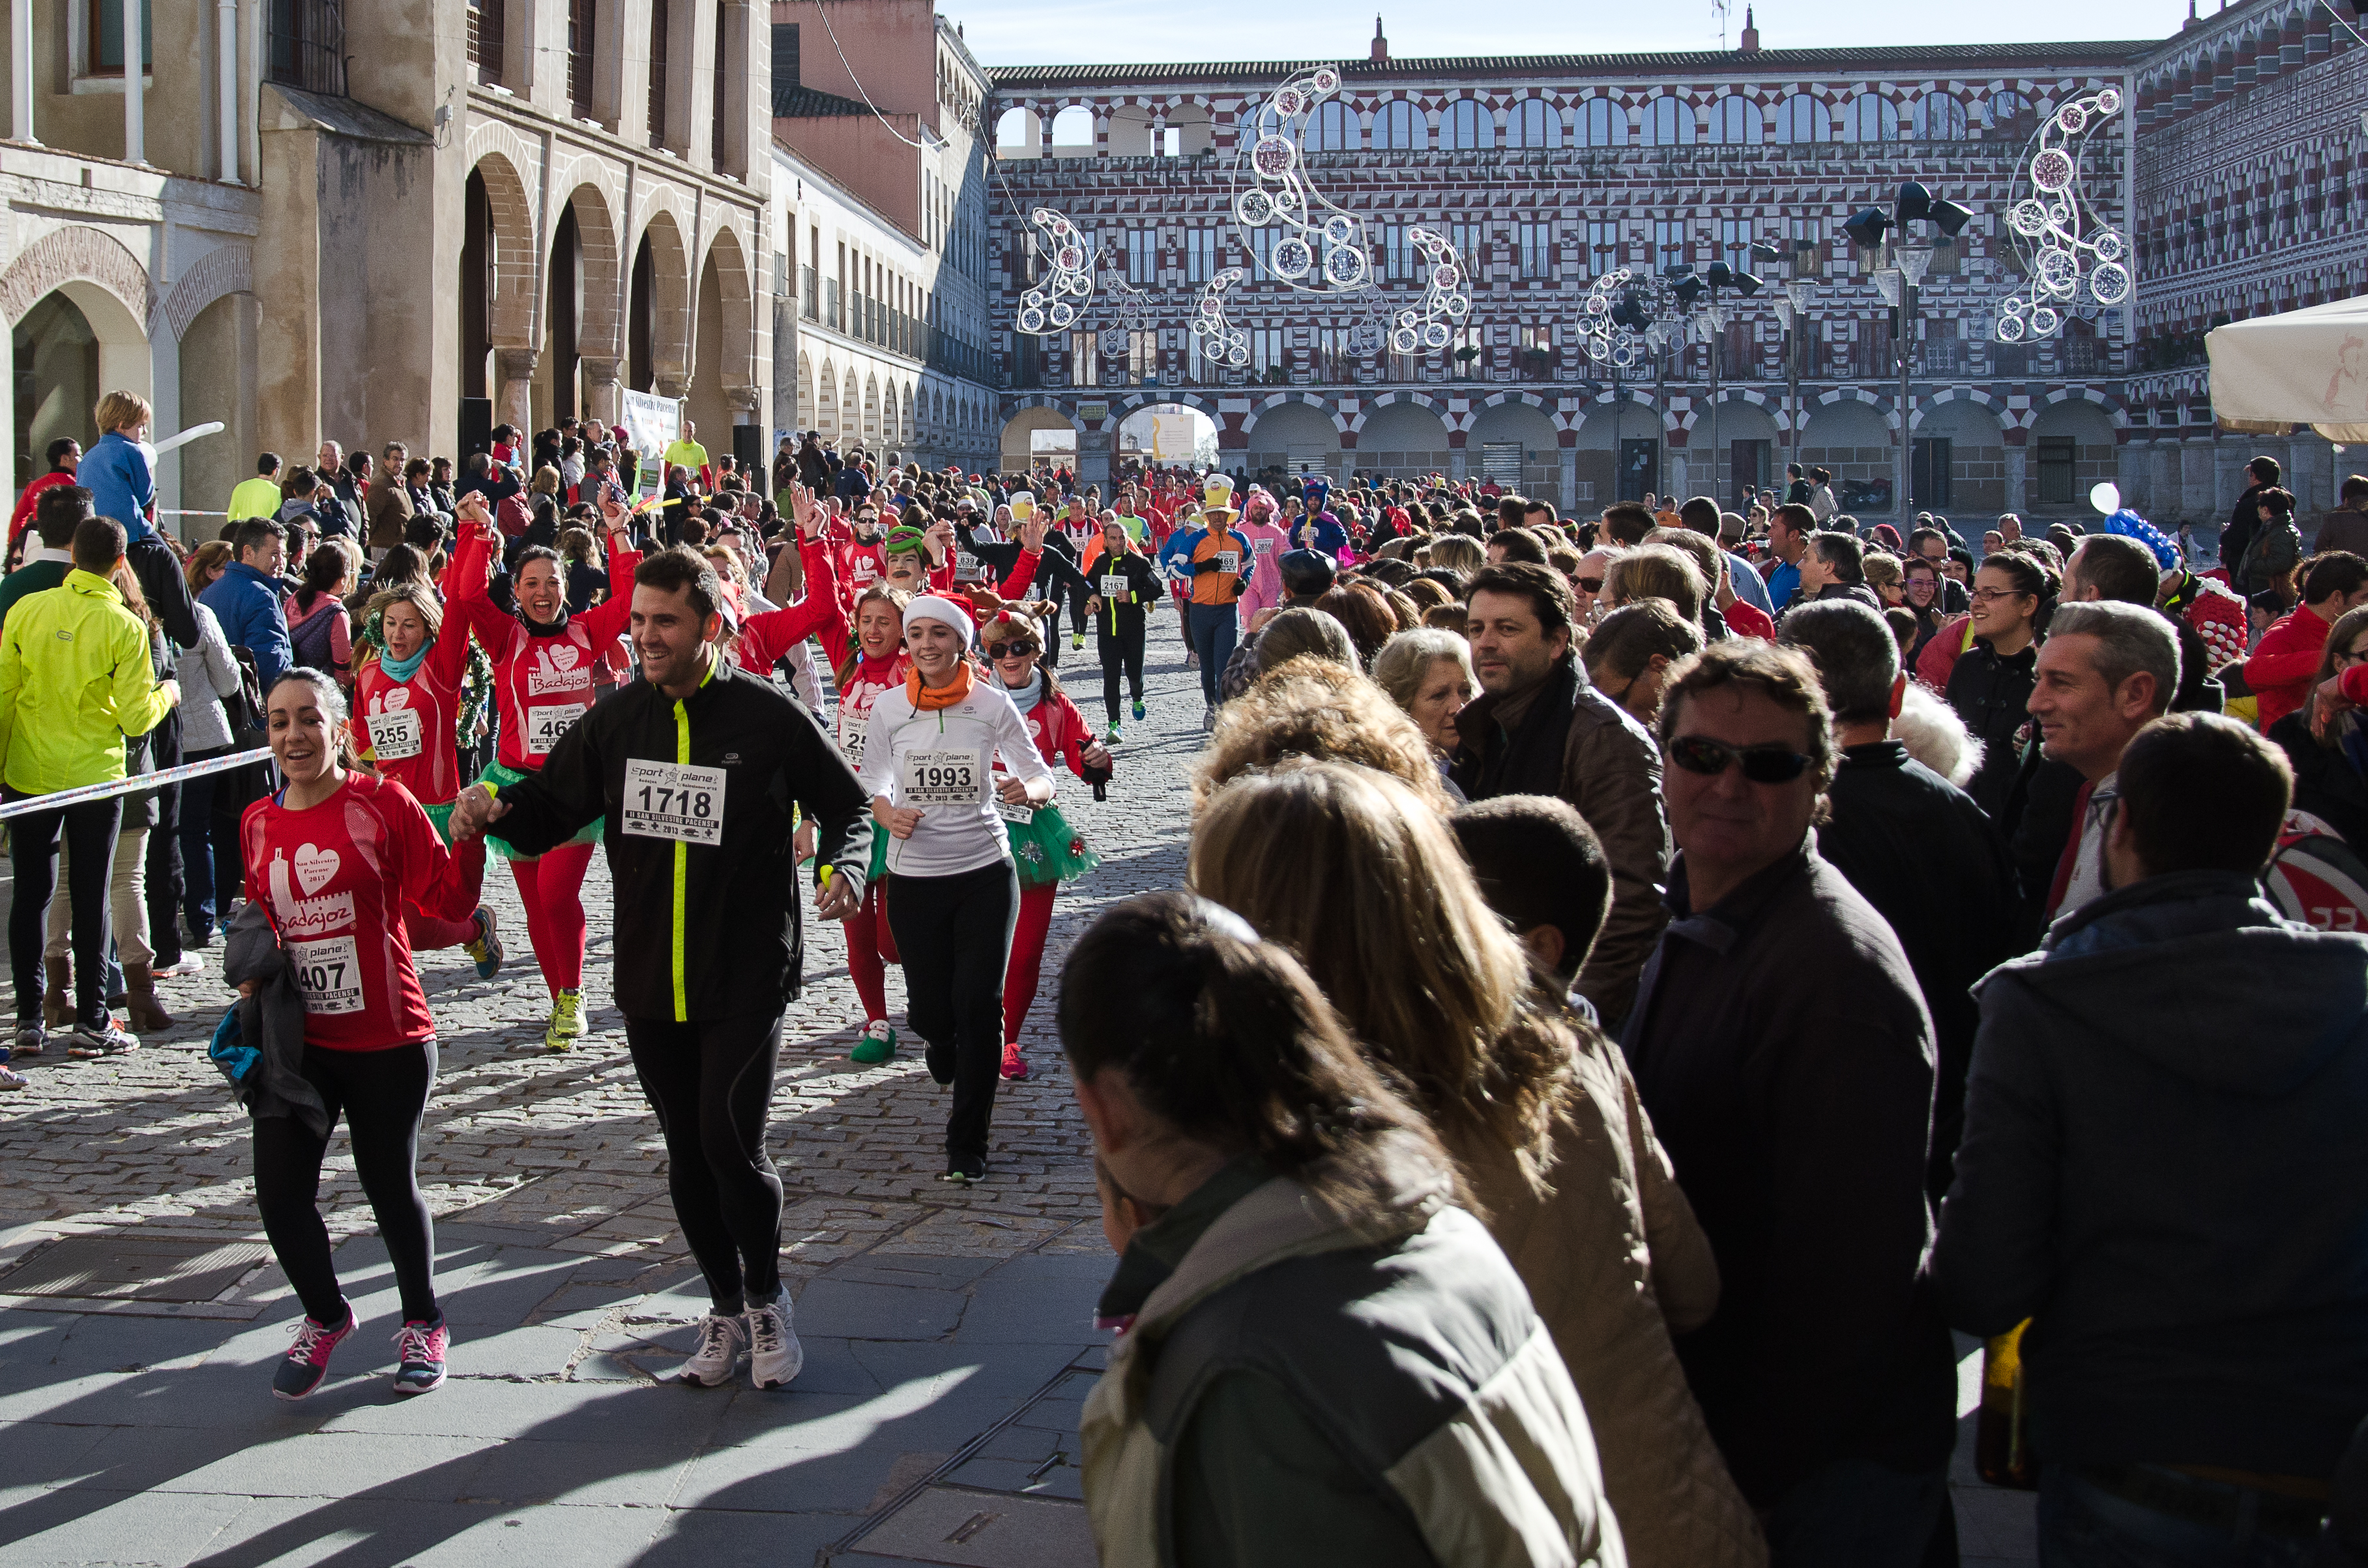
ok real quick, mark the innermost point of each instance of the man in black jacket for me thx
(1914, 844)
(694, 770)
(2162, 1171)
(1780, 1044)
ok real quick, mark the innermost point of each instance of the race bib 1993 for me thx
(666, 799)
(940, 778)
(396, 733)
(329, 974)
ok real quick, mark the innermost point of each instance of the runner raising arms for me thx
(337, 863)
(927, 760)
(409, 696)
(879, 663)
(1046, 851)
(691, 771)
(544, 661)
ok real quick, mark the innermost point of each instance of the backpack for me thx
(2316, 878)
(310, 642)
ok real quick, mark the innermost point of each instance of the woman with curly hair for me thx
(1046, 849)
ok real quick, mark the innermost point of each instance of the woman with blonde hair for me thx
(1428, 673)
(1371, 894)
(1318, 710)
(1456, 552)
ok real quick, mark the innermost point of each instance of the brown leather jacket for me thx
(1567, 739)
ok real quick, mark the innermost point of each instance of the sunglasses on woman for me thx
(1013, 649)
(1761, 765)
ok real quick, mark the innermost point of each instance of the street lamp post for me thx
(1898, 284)
(1687, 289)
(1792, 307)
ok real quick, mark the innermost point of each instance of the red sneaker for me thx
(1015, 1066)
(307, 1361)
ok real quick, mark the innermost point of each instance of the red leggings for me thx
(425, 931)
(1026, 956)
(551, 888)
(870, 949)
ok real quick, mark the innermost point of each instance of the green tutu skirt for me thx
(442, 817)
(1047, 850)
(502, 777)
(880, 840)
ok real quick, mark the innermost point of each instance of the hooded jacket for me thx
(2162, 1168)
(1376, 1393)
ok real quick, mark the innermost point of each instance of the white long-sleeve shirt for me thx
(928, 759)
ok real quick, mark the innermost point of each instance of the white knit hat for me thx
(938, 608)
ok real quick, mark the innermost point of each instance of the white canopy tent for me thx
(2306, 367)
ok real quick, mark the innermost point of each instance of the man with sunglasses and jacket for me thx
(1540, 728)
(1781, 1045)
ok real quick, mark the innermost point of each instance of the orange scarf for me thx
(929, 699)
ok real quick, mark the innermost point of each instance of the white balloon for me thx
(2106, 497)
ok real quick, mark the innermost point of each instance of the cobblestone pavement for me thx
(948, 1331)
(563, 1149)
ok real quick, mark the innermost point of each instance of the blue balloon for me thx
(2129, 525)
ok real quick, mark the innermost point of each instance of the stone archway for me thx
(498, 252)
(724, 279)
(658, 322)
(587, 316)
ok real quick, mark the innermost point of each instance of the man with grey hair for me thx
(2106, 670)
(1914, 844)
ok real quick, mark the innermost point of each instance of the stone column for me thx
(1568, 457)
(604, 395)
(2018, 498)
(674, 386)
(514, 404)
(135, 103)
(21, 70)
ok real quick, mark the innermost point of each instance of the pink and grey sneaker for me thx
(419, 1350)
(307, 1362)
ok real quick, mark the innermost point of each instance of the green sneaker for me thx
(1138, 710)
(1076, 639)
(875, 1045)
(567, 1021)
(1112, 736)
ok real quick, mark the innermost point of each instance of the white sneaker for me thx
(721, 1340)
(774, 1354)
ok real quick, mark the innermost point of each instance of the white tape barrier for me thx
(85, 793)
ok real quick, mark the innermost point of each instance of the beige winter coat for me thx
(1615, 1264)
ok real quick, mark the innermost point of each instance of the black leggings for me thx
(89, 832)
(383, 1094)
(954, 934)
(711, 1085)
(1121, 648)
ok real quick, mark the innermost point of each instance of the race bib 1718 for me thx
(666, 799)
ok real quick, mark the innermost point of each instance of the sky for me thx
(1058, 32)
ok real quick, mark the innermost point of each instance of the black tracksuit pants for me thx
(954, 934)
(711, 1086)
(1121, 650)
(383, 1094)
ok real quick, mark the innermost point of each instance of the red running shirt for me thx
(764, 638)
(544, 683)
(335, 879)
(409, 725)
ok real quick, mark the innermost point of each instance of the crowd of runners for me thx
(1643, 980)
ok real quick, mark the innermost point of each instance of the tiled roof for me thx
(805, 103)
(1877, 60)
